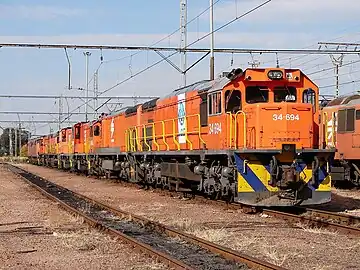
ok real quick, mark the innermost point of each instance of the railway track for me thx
(312, 217)
(319, 218)
(343, 223)
(343, 219)
(151, 238)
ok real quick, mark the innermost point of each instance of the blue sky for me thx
(279, 24)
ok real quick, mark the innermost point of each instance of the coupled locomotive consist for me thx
(342, 131)
(251, 137)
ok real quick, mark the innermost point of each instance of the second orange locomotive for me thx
(250, 136)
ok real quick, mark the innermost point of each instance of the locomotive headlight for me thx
(275, 75)
(288, 147)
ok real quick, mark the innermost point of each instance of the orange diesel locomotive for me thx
(251, 136)
(342, 131)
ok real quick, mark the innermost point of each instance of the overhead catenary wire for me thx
(342, 74)
(194, 42)
(343, 83)
(314, 44)
(330, 68)
(163, 59)
(157, 42)
(230, 22)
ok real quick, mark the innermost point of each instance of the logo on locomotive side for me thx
(181, 113)
(181, 118)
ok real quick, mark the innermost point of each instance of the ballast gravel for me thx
(36, 234)
(293, 246)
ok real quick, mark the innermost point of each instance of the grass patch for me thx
(317, 230)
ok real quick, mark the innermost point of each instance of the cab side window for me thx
(232, 101)
(63, 136)
(203, 109)
(346, 120)
(97, 131)
(309, 96)
(77, 132)
(357, 114)
(214, 101)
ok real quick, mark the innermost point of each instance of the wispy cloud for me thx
(37, 12)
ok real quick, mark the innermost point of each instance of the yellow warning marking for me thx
(263, 175)
(325, 185)
(306, 175)
(243, 185)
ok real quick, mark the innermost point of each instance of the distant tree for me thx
(5, 143)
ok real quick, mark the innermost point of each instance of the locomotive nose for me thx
(288, 126)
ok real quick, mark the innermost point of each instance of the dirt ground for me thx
(346, 201)
(36, 234)
(293, 247)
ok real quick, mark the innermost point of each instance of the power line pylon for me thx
(337, 59)
(183, 38)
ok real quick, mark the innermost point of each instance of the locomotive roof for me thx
(345, 100)
(203, 85)
(200, 86)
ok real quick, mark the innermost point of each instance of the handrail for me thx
(333, 129)
(244, 129)
(154, 137)
(137, 139)
(199, 124)
(131, 141)
(163, 135)
(230, 127)
(174, 134)
(126, 141)
(186, 134)
(69, 146)
(325, 128)
(145, 137)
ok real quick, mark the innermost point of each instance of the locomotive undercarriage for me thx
(188, 174)
(346, 173)
(213, 175)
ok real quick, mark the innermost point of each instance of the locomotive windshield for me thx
(284, 93)
(257, 94)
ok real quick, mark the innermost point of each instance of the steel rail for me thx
(313, 221)
(223, 251)
(171, 262)
(212, 247)
(340, 218)
(320, 218)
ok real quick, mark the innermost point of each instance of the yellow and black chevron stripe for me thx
(255, 176)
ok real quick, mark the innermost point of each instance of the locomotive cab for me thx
(274, 131)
